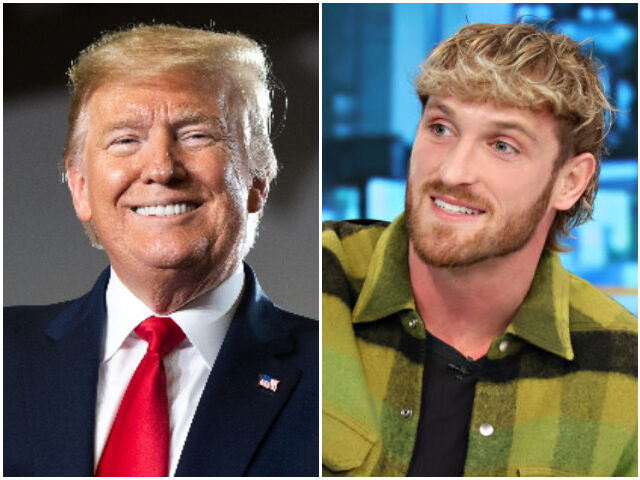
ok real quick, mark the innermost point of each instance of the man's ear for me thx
(258, 193)
(76, 179)
(573, 178)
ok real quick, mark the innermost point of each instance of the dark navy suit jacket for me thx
(51, 359)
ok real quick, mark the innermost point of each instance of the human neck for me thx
(165, 291)
(468, 307)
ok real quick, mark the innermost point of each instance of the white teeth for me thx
(455, 209)
(165, 210)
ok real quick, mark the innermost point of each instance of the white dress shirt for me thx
(204, 321)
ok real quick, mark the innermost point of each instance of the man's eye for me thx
(197, 139)
(440, 130)
(123, 145)
(504, 147)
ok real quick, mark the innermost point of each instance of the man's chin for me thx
(450, 257)
(458, 253)
(160, 255)
(446, 260)
(174, 259)
(444, 247)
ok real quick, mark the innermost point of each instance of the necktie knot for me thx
(161, 333)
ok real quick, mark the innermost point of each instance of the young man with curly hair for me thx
(454, 342)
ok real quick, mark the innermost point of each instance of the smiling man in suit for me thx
(175, 363)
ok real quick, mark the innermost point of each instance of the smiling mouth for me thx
(165, 210)
(455, 209)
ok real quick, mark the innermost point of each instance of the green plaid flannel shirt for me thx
(561, 397)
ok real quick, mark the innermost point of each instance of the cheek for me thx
(107, 180)
(420, 167)
(516, 186)
(223, 179)
(509, 195)
(425, 155)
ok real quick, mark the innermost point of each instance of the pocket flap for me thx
(346, 441)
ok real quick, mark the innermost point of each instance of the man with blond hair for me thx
(454, 342)
(175, 363)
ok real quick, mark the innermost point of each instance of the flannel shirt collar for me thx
(542, 319)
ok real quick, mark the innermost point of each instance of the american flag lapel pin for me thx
(268, 382)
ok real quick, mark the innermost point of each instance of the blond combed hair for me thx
(519, 65)
(147, 51)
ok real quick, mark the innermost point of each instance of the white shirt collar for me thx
(204, 320)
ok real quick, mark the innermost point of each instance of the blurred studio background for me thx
(47, 257)
(371, 53)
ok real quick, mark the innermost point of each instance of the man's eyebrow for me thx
(189, 118)
(180, 120)
(195, 117)
(506, 125)
(435, 105)
(127, 122)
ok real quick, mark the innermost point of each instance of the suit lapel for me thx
(235, 412)
(232, 418)
(62, 387)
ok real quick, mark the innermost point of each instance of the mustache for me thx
(461, 193)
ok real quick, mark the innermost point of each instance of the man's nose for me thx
(458, 166)
(161, 161)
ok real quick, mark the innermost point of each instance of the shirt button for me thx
(486, 429)
(504, 344)
(413, 323)
(406, 412)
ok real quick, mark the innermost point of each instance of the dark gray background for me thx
(47, 257)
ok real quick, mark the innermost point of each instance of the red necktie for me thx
(138, 445)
